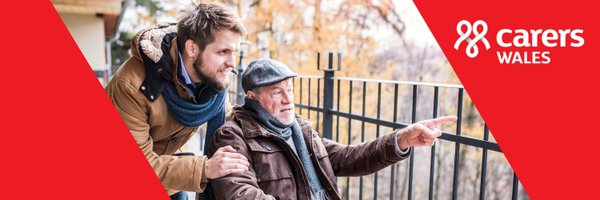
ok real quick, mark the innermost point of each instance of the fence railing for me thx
(327, 108)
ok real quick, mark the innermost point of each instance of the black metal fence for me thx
(328, 113)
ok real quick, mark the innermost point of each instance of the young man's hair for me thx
(204, 21)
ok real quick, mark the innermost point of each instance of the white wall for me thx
(88, 33)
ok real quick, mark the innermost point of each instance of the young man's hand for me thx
(225, 161)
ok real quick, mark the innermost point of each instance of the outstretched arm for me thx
(367, 158)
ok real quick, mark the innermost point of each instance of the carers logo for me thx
(516, 46)
(472, 50)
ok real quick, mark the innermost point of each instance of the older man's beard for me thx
(291, 116)
(211, 82)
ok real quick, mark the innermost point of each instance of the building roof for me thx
(109, 10)
(107, 7)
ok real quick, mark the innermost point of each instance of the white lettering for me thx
(563, 37)
(577, 38)
(523, 36)
(546, 38)
(534, 34)
(499, 38)
(517, 58)
(504, 58)
(526, 57)
(546, 57)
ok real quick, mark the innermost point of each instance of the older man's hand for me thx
(423, 133)
(225, 161)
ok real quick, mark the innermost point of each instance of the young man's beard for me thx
(209, 81)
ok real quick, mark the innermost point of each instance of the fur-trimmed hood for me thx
(156, 47)
(148, 41)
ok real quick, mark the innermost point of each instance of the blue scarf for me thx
(192, 115)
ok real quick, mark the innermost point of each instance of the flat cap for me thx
(265, 72)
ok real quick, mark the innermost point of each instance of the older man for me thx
(288, 159)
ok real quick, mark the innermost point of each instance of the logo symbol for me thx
(472, 49)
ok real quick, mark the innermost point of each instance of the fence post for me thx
(328, 94)
(239, 93)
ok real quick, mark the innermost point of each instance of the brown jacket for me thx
(275, 171)
(156, 132)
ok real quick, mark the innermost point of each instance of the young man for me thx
(288, 160)
(175, 81)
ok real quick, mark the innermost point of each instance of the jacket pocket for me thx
(319, 148)
(272, 168)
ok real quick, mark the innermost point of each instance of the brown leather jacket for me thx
(275, 171)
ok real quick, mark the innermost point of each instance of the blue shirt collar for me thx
(184, 72)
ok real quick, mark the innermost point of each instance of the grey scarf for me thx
(266, 120)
